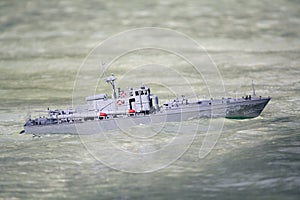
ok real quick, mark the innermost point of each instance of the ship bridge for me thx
(141, 100)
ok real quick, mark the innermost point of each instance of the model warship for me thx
(138, 106)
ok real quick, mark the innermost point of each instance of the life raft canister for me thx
(123, 94)
(119, 102)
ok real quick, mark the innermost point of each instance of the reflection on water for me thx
(43, 43)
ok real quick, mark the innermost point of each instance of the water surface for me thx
(43, 44)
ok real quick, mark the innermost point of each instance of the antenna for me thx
(103, 67)
(235, 94)
(253, 90)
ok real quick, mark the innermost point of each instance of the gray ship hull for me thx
(229, 108)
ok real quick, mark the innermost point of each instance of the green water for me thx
(43, 44)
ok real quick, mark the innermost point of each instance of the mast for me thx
(111, 80)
